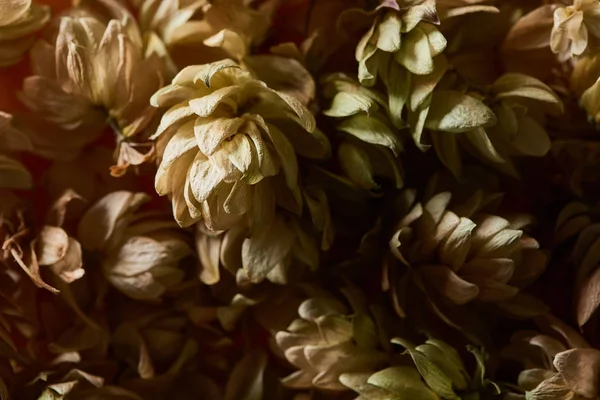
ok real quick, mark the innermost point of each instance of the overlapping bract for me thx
(227, 140)
(460, 253)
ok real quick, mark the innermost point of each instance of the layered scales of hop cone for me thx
(229, 146)
(460, 253)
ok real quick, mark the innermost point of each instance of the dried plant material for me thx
(438, 372)
(455, 8)
(224, 140)
(574, 26)
(560, 366)
(19, 21)
(514, 126)
(142, 251)
(328, 341)
(284, 257)
(232, 26)
(245, 382)
(279, 250)
(579, 221)
(155, 342)
(585, 73)
(407, 35)
(459, 253)
(372, 143)
(100, 72)
(590, 100)
(532, 31)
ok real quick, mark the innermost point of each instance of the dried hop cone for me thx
(97, 72)
(505, 121)
(229, 146)
(458, 253)
(436, 371)
(559, 365)
(19, 20)
(575, 26)
(406, 35)
(328, 340)
(142, 250)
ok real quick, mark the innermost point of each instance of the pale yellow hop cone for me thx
(142, 250)
(19, 21)
(229, 146)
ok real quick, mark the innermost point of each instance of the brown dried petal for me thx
(580, 369)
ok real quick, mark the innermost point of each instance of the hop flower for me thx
(459, 253)
(407, 35)
(371, 144)
(511, 126)
(227, 144)
(142, 250)
(95, 74)
(19, 21)
(327, 341)
(437, 371)
(574, 27)
(559, 363)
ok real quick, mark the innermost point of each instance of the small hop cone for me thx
(328, 340)
(558, 365)
(142, 252)
(461, 253)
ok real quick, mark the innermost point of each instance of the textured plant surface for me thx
(300, 199)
